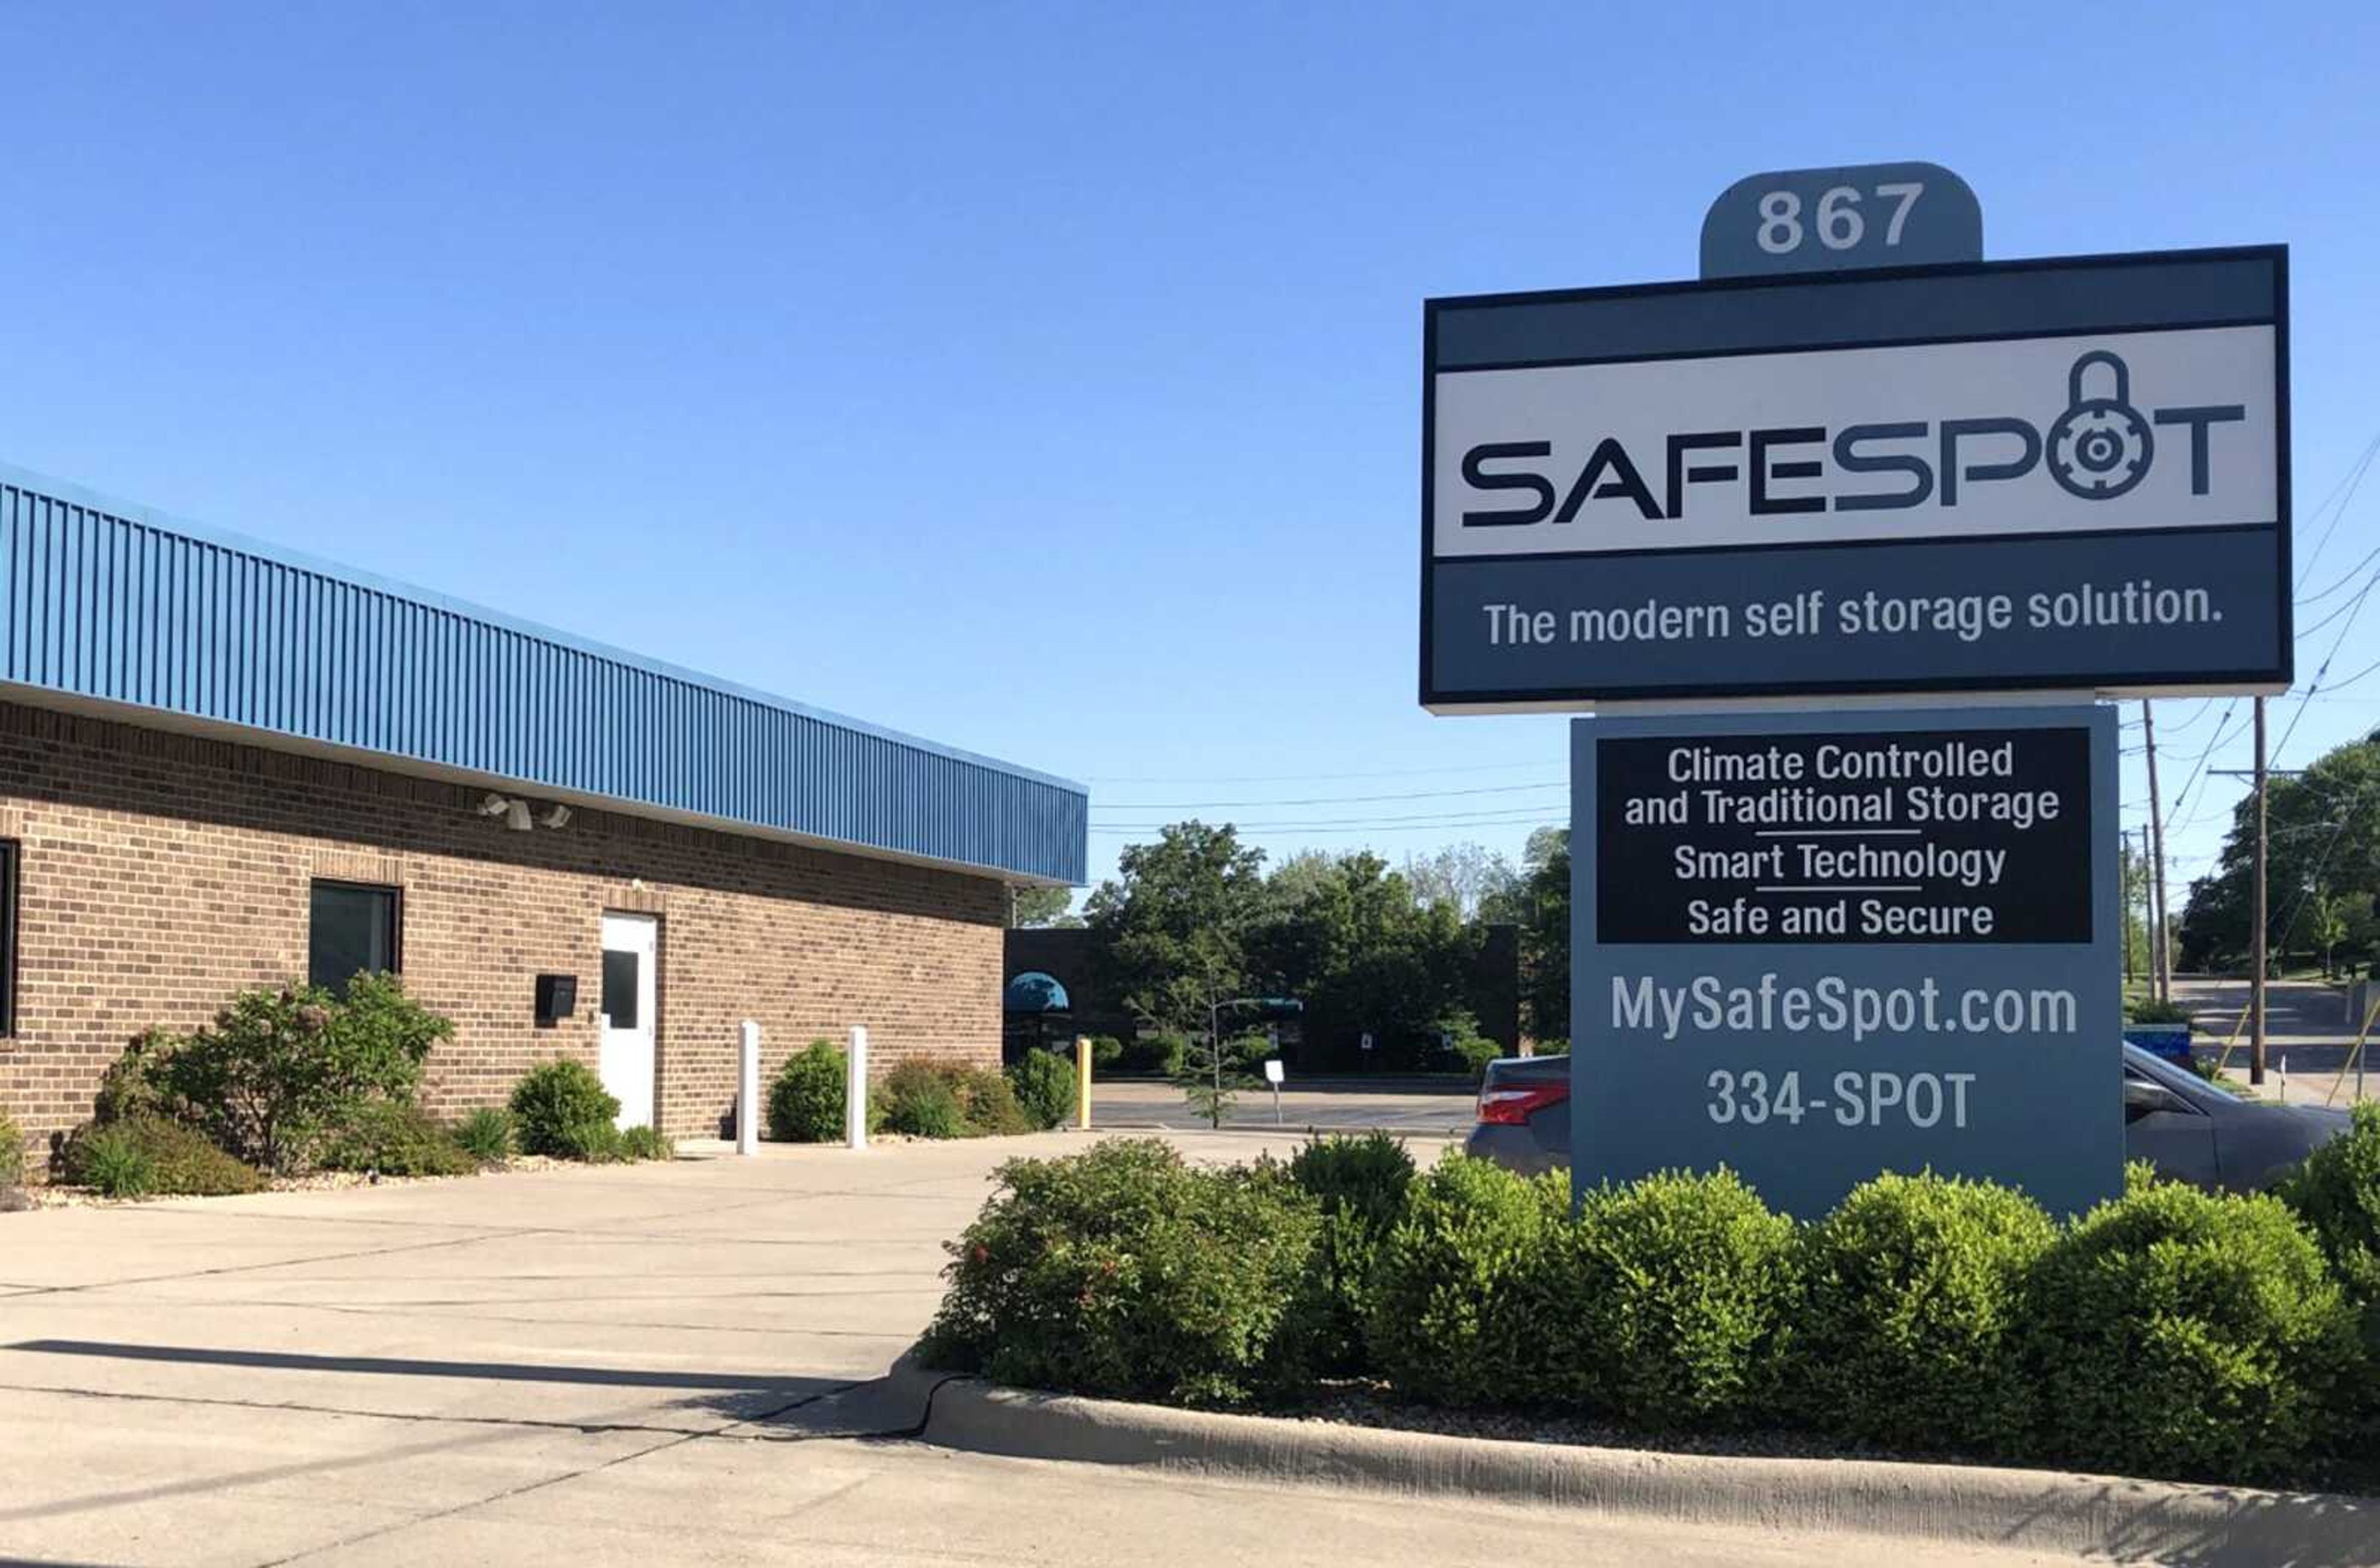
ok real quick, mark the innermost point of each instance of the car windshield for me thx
(2158, 1070)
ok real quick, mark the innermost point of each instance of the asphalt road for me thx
(1443, 1111)
(649, 1365)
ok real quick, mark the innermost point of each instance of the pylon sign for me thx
(2067, 474)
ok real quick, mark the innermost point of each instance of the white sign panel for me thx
(2171, 430)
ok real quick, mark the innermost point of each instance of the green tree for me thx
(1172, 932)
(1352, 940)
(1041, 906)
(1544, 912)
(2323, 833)
(2326, 926)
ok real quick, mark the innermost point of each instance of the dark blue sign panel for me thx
(1820, 220)
(2057, 474)
(1815, 946)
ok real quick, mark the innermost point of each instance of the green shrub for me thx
(279, 1069)
(1449, 1318)
(1044, 1083)
(2148, 1010)
(1122, 1273)
(1916, 1288)
(593, 1143)
(988, 1105)
(808, 1098)
(2336, 1192)
(1162, 1054)
(486, 1135)
(1477, 1051)
(1667, 1302)
(921, 1101)
(395, 1140)
(561, 1109)
(1107, 1052)
(1549, 1046)
(1359, 1185)
(146, 1156)
(646, 1143)
(2178, 1333)
(12, 1153)
(111, 1161)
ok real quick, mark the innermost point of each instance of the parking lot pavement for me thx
(623, 1363)
(1439, 1110)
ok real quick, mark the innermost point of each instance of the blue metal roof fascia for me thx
(255, 673)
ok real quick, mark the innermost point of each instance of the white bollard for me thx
(747, 1089)
(855, 1091)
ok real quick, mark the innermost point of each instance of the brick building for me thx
(223, 764)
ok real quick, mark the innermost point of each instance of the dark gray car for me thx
(2185, 1126)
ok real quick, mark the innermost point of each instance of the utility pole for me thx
(2160, 957)
(2256, 938)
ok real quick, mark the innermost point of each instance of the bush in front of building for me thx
(1044, 1083)
(273, 1079)
(561, 1109)
(808, 1098)
(390, 1138)
(2183, 1334)
(921, 1100)
(486, 1135)
(1450, 1318)
(1120, 1271)
(12, 1153)
(646, 1143)
(1164, 1054)
(1107, 1052)
(1916, 1289)
(147, 1156)
(1359, 1184)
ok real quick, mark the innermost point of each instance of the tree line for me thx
(2323, 830)
(1194, 919)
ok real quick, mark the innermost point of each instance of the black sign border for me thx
(2276, 678)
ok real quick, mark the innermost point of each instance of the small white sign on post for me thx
(855, 1096)
(1273, 1076)
(747, 1089)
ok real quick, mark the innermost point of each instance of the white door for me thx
(628, 996)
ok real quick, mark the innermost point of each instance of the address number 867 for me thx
(1836, 220)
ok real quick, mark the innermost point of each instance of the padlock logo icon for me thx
(2100, 447)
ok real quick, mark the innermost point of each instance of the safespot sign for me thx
(2064, 474)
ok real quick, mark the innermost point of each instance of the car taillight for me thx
(1513, 1107)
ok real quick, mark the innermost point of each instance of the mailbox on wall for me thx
(557, 998)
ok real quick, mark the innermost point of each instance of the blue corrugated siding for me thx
(105, 602)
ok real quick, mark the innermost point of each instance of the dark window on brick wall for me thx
(620, 980)
(355, 930)
(8, 853)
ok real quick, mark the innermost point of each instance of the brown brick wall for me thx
(161, 873)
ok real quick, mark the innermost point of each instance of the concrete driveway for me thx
(648, 1365)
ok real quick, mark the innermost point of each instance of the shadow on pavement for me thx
(499, 1371)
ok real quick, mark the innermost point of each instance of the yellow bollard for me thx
(1083, 1081)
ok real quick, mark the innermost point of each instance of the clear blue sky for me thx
(1042, 380)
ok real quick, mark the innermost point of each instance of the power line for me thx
(2348, 483)
(1330, 799)
(1312, 778)
(1507, 816)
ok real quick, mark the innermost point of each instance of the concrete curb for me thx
(2036, 1509)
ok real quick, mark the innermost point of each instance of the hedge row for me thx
(808, 1098)
(290, 1079)
(2169, 1333)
